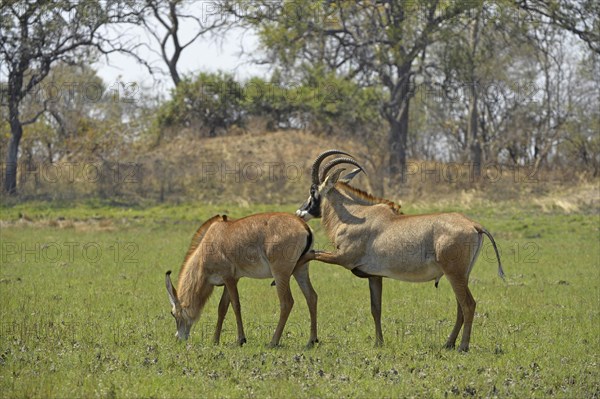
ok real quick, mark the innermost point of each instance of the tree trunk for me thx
(473, 126)
(173, 72)
(472, 133)
(15, 83)
(10, 179)
(397, 138)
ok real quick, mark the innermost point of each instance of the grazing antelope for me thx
(374, 240)
(224, 250)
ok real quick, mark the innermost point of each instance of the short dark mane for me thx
(363, 195)
(197, 238)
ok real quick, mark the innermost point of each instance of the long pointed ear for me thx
(330, 181)
(172, 292)
(351, 175)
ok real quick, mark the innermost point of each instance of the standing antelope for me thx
(224, 250)
(373, 240)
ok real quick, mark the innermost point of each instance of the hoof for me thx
(463, 348)
(449, 345)
(311, 343)
(271, 345)
(241, 342)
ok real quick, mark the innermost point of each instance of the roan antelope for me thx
(373, 240)
(224, 250)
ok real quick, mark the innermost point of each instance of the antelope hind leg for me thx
(467, 307)
(303, 279)
(469, 314)
(286, 302)
(451, 342)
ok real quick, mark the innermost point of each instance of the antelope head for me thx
(321, 184)
(184, 323)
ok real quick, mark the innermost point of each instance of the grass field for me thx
(84, 313)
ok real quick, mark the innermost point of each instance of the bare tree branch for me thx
(34, 118)
(580, 18)
(162, 20)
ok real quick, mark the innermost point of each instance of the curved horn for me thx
(336, 162)
(317, 163)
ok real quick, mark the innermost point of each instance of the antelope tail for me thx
(481, 230)
(309, 240)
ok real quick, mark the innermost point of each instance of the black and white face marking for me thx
(312, 207)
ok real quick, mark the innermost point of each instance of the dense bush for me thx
(211, 104)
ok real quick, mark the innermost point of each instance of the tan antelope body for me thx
(374, 240)
(266, 245)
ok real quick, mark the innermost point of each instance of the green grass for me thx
(84, 313)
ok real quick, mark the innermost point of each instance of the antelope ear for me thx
(172, 292)
(351, 175)
(330, 180)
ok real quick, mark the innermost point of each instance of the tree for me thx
(581, 18)
(163, 20)
(582, 141)
(207, 104)
(561, 99)
(370, 42)
(70, 95)
(469, 71)
(319, 100)
(36, 35)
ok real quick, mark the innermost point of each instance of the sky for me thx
(228, 53)
(206, 54)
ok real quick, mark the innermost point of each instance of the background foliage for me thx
(487, 83)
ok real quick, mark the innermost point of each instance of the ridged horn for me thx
(336, 162)
(317, 163)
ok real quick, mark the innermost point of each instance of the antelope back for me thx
(273, 237)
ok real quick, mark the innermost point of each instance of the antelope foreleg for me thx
(231, 286)
(376, 289)
(222, 311)
(331, 258)
(307, 257)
